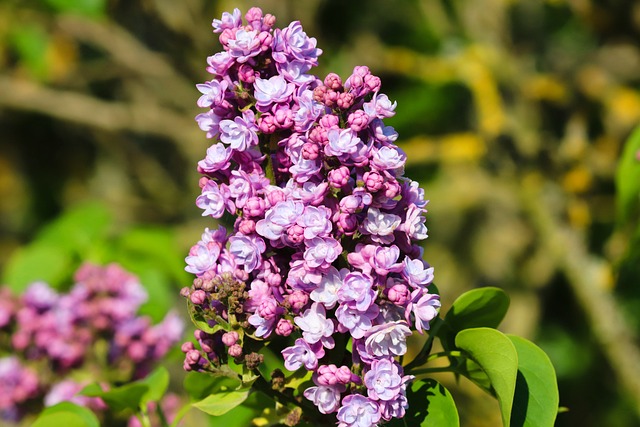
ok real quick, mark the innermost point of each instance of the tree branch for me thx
(109, 116)
(587, 275)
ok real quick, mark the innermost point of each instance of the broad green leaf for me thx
(118, 399)
(78, 229)
(430, 405)
(536, 398)
(222, 402)
(482, 307)
(199, 385)
(157, 383)
(496, 355)
(66, 414)
(37, 262)
(242, 415)
(157, 245)
(628, 179)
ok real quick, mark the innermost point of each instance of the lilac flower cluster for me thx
(67, 332)
(324, 246)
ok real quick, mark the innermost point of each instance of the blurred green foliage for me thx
(513, 114)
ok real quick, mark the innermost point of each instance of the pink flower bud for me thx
(398, 294)
(298, 300)
(310, 151)
(333, 81)
(193, 357)
(284, 328)
(230, 338)
(345, 101)
(373, 181)
(338, 178)
(273, 279)
(344, 375)
(246, 226)
(268, 21)
(246, 74)
(235, 350)
(318, 93)
(198, 297)
(267, 123)
(187, 347)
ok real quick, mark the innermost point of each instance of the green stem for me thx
(423, 371)
(421, 358)
(144, 416)
(452, 353)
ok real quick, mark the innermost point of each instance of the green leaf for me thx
(156, 245)
(222, 402)
(66, 414)
(78, 229)
(242, 415)
(628, 179)
(482, 307)
(200, 321)
(90, 8)
(430, 405)
(157, 383)
(37, 262)
(497, 357)
(536, 398)
(31, 43)
(161, 295)
(118, 399)
(199, 385)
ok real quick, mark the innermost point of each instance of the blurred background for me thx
(514, 116)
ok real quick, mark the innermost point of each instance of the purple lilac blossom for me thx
(326, 229)
(384, 380)
(325, 397)
(358, 411)
(272, 91)
(61, 333)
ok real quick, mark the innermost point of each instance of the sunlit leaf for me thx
(198, 385)
(482, 307)
(78, 229)
(128, 396)
(222, 402)
(157, 383)
(496, 355)
(66, 414)
(536, 398)
(157, 245)
(430, 404)
(37, 262)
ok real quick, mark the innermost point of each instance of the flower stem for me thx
(421, 358)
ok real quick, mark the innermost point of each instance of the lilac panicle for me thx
(326, 234)
(63, 333)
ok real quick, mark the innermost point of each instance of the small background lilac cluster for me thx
(52, 337)
(324, 247)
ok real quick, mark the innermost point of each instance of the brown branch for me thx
(109, 116)
(587, 275)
